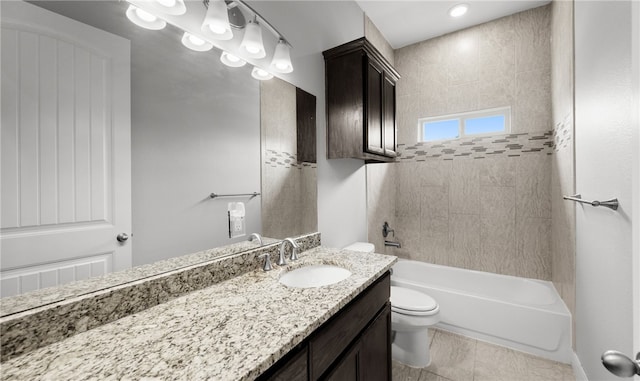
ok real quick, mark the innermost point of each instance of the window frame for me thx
(462, 118)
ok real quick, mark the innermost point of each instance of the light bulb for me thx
(458, 10)
(231, 60)
(145, 16)
(167, 3)
(196, 40)
(261, 74)
(144, 19)
(217, 29)
(195, 43)
(252, 49)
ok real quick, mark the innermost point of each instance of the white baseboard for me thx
(577, 369)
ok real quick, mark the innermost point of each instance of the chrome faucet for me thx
(392, 244)
(294, 251)
(256, 236)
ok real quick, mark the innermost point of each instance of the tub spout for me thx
(392, 244)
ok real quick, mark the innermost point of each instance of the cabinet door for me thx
(295, 368)
(348, 367)
(389, 116)
(375, 349)
(374, 134)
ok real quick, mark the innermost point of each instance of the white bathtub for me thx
(520, 313)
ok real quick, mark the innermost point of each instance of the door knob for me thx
(122, 237)
(621, 365)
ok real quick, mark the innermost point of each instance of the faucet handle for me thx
(267, 262)
(294, 253)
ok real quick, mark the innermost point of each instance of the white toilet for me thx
(412, 313)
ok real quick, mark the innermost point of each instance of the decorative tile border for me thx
(26, 331)
(563, 133)
(479, 147)
(283, 159)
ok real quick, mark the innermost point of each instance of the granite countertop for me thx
(233, 330)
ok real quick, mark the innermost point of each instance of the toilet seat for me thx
(410, 302)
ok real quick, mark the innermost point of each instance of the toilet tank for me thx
(364, 247)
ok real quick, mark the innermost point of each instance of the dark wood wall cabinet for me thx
(361, 103)
(355, 344)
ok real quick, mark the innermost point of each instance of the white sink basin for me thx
(314, 276)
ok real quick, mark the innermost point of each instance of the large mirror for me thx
(195, 130)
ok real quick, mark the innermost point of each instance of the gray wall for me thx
(606, 61)
(195, 130)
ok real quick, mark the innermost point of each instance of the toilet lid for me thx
(410, 300)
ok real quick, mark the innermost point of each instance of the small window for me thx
(477, 123)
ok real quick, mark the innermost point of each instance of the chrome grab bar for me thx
(215, 195)
(611, 204)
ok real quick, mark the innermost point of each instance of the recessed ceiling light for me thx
(458, 10)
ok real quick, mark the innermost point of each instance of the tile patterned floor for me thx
(459, 358)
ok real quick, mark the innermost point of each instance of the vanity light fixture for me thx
(220, 17)
(261, 74)
(281, 61)
(252, 40)
(231, 60)
(196, 43)
(171, 7)
(144, 19)
(458, 10)
(216, 22)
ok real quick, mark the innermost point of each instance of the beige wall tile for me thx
(462, 57)
(533, 186)
(464, 187)
(436, 173)
(464, 239)
(498, 171)
(435, 245)
(462, 97)
(533, 246)
(532, 111)
(409, 233)
(408, 189)
(533, 39)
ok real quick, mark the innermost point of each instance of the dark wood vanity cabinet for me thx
(355, 344)
(361, 103)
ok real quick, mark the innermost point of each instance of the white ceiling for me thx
(406, 22)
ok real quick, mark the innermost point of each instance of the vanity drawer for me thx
(328, 343)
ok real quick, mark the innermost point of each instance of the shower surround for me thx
(488, 203)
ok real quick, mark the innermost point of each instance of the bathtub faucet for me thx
(393, 244)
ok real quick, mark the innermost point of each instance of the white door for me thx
(66, 150)
(607, 166)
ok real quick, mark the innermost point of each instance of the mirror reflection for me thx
(194, 128)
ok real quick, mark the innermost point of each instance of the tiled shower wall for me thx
(289, 191)
(481, 204)
(562, 165)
